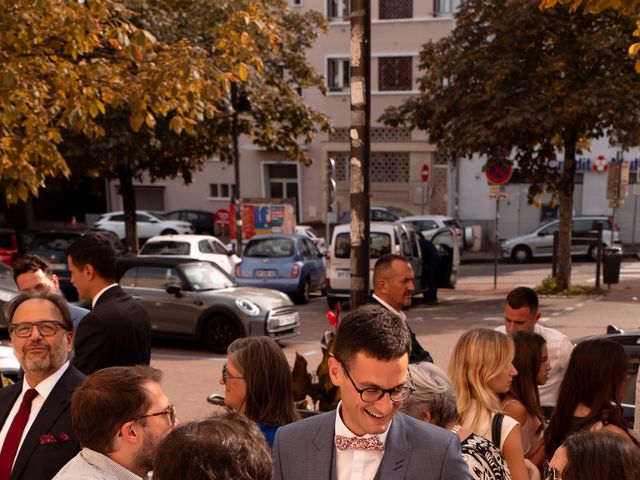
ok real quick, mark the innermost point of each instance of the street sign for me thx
(618, 182)
(496, 192)
(221, 218)
(425, 173)
(498, 174)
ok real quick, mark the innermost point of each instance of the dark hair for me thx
(267, 375)
(595, 377)
(57, 300)
(383, 264)
(96, 250)
(224, 446)
(31, 263)
(527, 361)
(600, 455)
(372, 330)
(106, 400)
(523, 297)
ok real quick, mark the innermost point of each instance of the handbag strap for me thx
(496, 429)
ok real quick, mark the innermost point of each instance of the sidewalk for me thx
(487, 256)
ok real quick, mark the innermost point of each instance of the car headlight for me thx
(248, 307)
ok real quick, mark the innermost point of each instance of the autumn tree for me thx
(516, 84)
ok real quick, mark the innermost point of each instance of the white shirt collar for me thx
(342, 429)
(400, 313)
(45, 387)
(99, 294)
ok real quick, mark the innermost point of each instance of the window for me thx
(166, 247)
(338, 9)
(156, 277)
(220, 190)
(205, 247)
(390, 9)
(296, 3)
(338, 74)
(446, 6)
(395, 73)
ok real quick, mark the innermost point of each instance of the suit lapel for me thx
(55, 404)
(108, 294)
(321, 464)
(11, 393)
(397, 451)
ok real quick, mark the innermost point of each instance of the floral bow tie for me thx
(369, 443)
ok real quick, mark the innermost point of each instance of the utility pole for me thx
(239, 103)
(359, 134)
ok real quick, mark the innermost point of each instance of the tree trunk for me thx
(129, 207)
(566, 186)
(360, 74)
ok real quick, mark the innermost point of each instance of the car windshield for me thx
(270, 248)
(379, 244)
(58, 242)
(204, 276)
(166, 247)
(400, 212)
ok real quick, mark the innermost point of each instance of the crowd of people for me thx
(518, 402)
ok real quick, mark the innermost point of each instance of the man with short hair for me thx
(33, 274)
(117, 331)
(393, 286)
(366, 437)
(36, 435)
(521, 312)
(120, 414)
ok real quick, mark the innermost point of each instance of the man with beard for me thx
(120, 414)
(36, 435)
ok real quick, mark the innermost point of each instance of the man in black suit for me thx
(117, 331)
(393, 286)
(36, 433)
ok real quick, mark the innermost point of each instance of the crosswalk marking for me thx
(630, 270)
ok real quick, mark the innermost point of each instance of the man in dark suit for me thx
(366, 437)
(393, 286)
(36, 435)
(117, 331)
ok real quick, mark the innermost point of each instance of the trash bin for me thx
(611, 260)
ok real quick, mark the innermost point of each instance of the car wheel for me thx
(521, 254)
(304, 295)
(168, 231)
(218, 332)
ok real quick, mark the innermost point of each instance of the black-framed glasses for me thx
(225, 374)
(373, 394)
(169, 412)
(46, 328)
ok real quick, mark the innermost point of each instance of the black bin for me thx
(611, 261)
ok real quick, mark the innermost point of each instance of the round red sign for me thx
(498, 174)
(425, 173)
(221, 218)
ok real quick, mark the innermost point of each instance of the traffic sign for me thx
(425, 173)
(221, 218)
(496, 192)
(498, 174)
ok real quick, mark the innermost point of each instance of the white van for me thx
(385, 238)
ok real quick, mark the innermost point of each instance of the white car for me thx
(308, 231)
(148, 224)
(430, 224)
(199, 247)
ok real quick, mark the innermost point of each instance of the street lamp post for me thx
(239, 103)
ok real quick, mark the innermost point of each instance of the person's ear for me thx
(538, 314)
(55, 281)
(334, 371)
(128, 433)
(89, 271)
(426, 415)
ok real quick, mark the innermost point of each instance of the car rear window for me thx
(166, 247)
(379, 244)
(58, 242)
(270, 248)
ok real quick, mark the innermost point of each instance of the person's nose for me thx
(35, 333)
(513, 372)
(385, 405)
(221, 380)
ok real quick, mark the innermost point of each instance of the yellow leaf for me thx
(176, 124)
(243, 73)
(135, 122)
(150, 120)
(633, 49)
(93, 110)
(23, 193)
(100, 106)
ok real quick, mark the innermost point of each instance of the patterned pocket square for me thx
(46, 438)
(64, 437)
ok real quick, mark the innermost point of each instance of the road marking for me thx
(569, 309)
(555, 314)
(545, 319)
(492, 319)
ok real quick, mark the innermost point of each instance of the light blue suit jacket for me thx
(304, 450)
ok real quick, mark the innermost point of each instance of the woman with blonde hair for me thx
(481, 370)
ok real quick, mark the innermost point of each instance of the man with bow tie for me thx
(365, 438)
(36, 434)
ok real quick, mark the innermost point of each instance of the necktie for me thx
(366, 443)
(12, 440)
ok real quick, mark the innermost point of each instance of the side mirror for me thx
(174, 290)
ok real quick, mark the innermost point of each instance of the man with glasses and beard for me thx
(366, 438)
(36, 435)
(120, 414)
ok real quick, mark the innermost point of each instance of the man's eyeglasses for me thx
(46, 328)
(225, 374)
(373, 394)
(169, 412)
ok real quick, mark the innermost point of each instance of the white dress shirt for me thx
(99, 294)
(400, 313)
(354, 464)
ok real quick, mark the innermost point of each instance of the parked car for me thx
(9, 246)
(289, 263)
(308, 231)
(539, 243)
(8, 291)
(430, 224)
(385, 238)
(379, 214)
(187, 298)
(202, 221)
(199, 247)
(148, 225)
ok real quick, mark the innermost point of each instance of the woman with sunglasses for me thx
(595, 456)
(522, 401)
(257, 381)
(481, 370)
(590, 393)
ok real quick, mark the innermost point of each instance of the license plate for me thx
(266, 273)
(343, 274)
(59, 266)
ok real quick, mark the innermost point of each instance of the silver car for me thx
(188, 298)
(539, 243)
